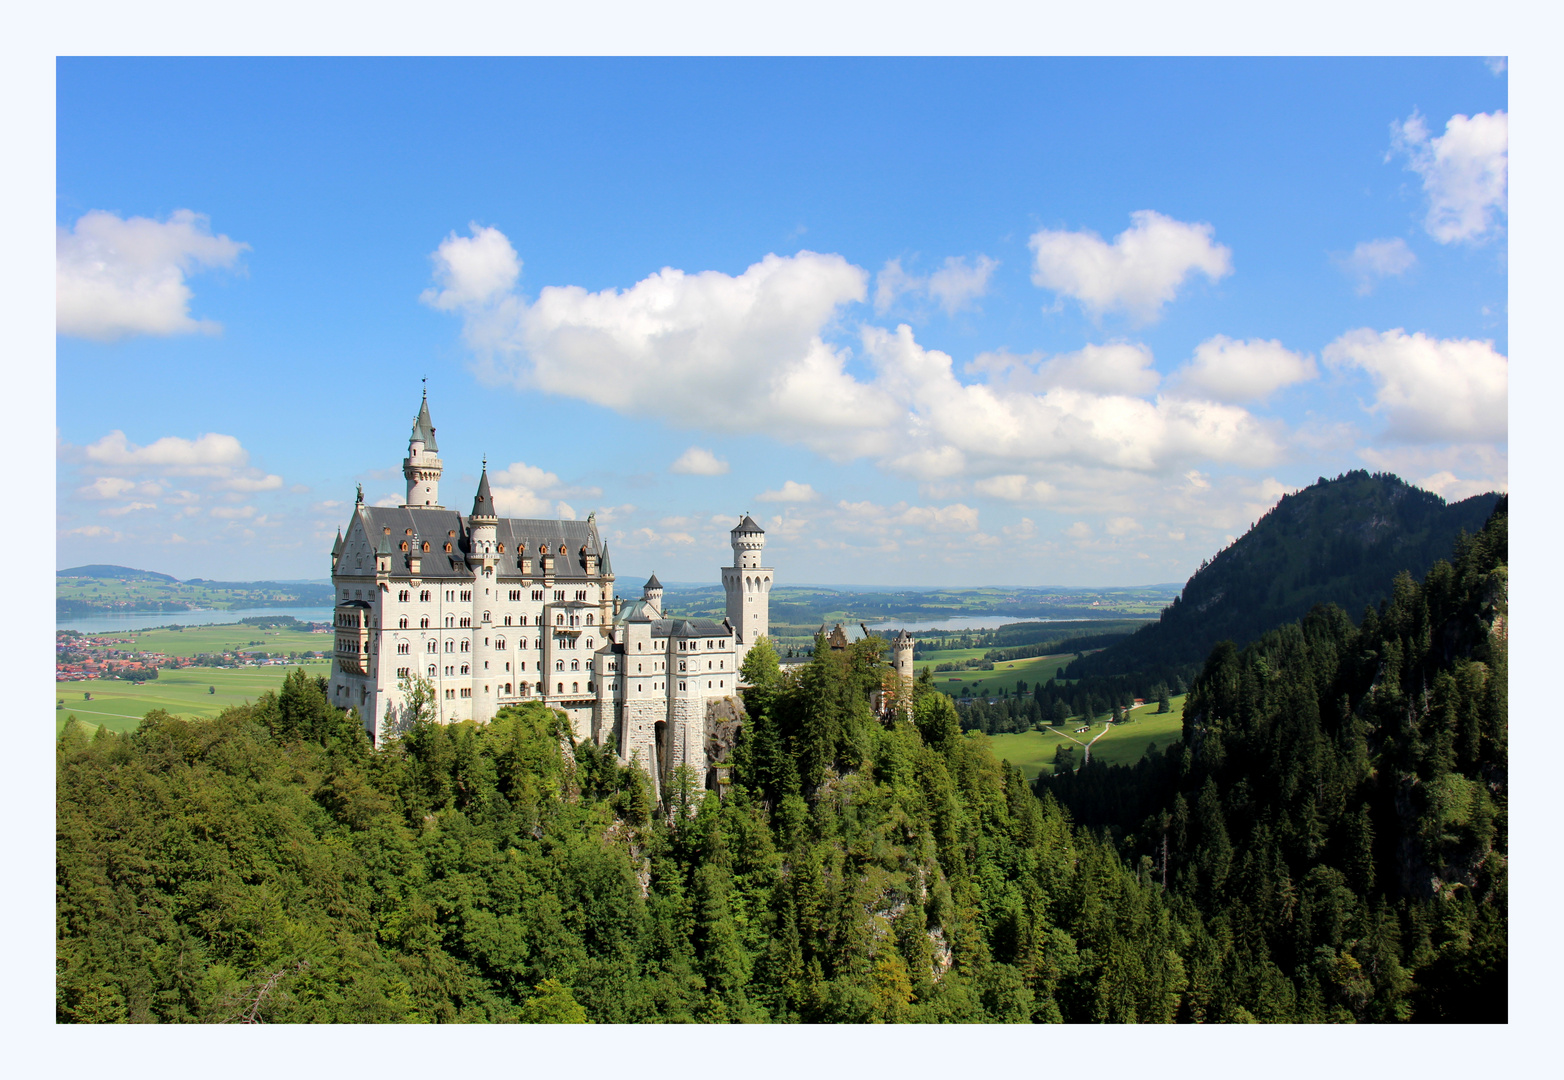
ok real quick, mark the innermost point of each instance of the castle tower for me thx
(606, 605)
(748, 585)
(482, 557)
(901, 649)
(422, 467)
(652, 593)
(484, 522)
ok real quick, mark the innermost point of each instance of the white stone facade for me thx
(494, 611)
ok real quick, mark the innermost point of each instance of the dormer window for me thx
(426, 545)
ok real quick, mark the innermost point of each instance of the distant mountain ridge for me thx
(105, 570)
(1340, 541)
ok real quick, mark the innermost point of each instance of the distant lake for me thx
(145, 620)
(958, 622)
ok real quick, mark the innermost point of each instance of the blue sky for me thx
(948, 322)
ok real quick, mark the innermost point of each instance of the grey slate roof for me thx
(608, 567)
(689, 628)
(423, 427)
(483, 503)
(652, 583)
(748, 526)
(434, 525)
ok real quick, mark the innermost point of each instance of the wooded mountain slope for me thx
(1340, 541)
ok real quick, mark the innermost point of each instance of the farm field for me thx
(1033, 669)
(1033, 751)
(194, 640)
(119, 706)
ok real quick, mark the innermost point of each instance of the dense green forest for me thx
(1340, 541)
(1327, 843)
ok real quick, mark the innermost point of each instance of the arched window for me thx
(589, 620)
(575, 665)
(575, 688)
(434, 646)
(563, 550)
(502, 551)
(561, 688)
(589, 643)
(485, 616)
(426, 548)
(447, 547)
(499, 643)
(507, 620)
(450, 646)
(559, 620)
(559, 665)
(404, 545)
(401, 624)
(423, 624)
(507, 688)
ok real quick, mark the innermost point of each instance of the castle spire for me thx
(422, 466)
(483, 504)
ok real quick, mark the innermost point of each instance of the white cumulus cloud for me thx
(790, 492)
(1430, 389)
(957, 284)
(1465, 172)
(1373, 260)
(698, 461)
(1237, 371)
(115, 277)
(472, 270)
(1139, 273)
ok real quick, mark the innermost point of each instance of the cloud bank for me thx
(116, 277)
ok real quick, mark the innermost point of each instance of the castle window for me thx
(423, 595)
(502, 551)
(537, 594)
(524, 620)
(449, 670)
(465, 671)
(423, 623)
(450, 594)
(559, 620)
(515, 594)
(563, 550)
(466, 646)
(450, 695)
(431, 671)
(466, 620)
(591, 687)
(499, 643)
(408, 532)
(434, 646)
(404, 647)
(507, 688)
(450, 620)
(403, 596)
(466, 594)
(402, 672)
(404, 545)
(451, 533)
(589, 620)
(426, 545)
(589, 643)
(575, 688)
(485, 616)
(575, 665)
(507, 620)
(401, 624)
(466, 691)
(450, 646)
(559, 665)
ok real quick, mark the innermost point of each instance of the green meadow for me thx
(194, 640)
(119, 706)
(1124, 744)
(1033, 669)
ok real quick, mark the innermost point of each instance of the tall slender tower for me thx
(748, 585)
(482, 560)
(421, 467)
(902, 650)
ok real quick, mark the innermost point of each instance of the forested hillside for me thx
(1326, 844)
(1340, 541)
(1338, 809)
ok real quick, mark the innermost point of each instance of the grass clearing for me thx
(1124, 744)
(194, 640)
(1033, 669)
(119, 706)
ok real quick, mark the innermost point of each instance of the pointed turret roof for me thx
(652, 583)
(483, 504)
(748, 526)
(336, 548)
(385, 545)
(423, 427)
(608, 567)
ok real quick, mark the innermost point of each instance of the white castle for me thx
(494, 611)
